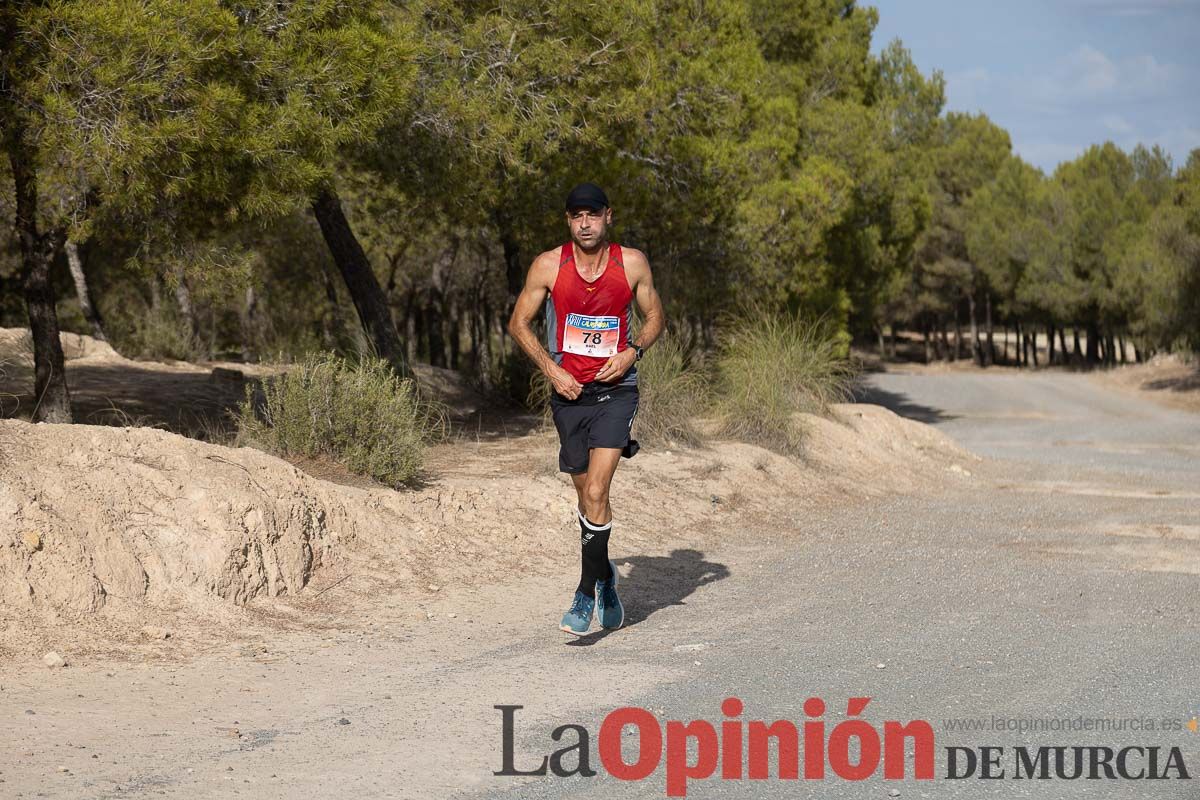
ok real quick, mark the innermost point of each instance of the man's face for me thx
(588, 226)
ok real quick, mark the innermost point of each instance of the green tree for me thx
(1158, 276)
(874, 244)
(968, 151)
(1005, 234)
(1103, 210)
(184, 115)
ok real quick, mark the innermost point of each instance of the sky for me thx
(1060, 75)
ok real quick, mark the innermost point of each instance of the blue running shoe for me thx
(578, 618)
(609, 610)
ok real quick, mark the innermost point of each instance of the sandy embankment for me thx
(110, 537)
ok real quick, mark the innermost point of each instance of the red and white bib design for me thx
(591, 336)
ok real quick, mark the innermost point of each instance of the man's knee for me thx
(595, 494)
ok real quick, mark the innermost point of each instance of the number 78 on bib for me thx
(591, 336)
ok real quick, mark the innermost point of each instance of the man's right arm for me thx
(538, 284)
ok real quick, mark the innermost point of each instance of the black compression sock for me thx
(593, 555)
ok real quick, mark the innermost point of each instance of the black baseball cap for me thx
(587, 195)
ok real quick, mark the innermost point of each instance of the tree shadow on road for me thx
(899, 404)
(657, 582)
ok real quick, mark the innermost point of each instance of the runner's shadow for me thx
(650, 583)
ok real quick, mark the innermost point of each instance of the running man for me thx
(592, 284)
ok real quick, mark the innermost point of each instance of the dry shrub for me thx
(138, 330)
(360, 413)
(771, 367)
(672, 390)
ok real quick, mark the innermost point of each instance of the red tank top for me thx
(587, 323)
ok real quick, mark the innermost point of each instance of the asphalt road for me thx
(1059, 581)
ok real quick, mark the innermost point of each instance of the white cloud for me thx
(1116, 123)
(1091, 69)
(1089, 74)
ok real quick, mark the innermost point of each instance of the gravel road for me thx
(1059, 580)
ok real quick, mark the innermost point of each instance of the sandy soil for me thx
(135, 542)
(1167, 380)
(233, 664)
(193, 399)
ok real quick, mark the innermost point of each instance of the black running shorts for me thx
(601, 416)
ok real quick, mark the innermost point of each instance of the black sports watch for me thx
(640, 350)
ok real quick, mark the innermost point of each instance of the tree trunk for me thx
(1049, 345)
(473, 331)
(500, 336)
(486, 356)
(514, 273)
(976, 350)
(90, 312)
(1033, 345)
(1062, 340)
(1078, 354)
(1004, 352)
(52, 399)
(249, 325)
(422, 339)
(991, 344)
(925, 335)
(946, 354)
(410, 325)
(1121, 341)
(432, 314)
(892, 341)
(360, 279)
(454, 336)
(331, 323)
(435, 314)
(183, 296)
(957, 334)
(1093, 343)
(879, 339)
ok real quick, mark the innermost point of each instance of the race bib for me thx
(591, 336)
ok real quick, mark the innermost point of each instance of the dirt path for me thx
(1060, 578)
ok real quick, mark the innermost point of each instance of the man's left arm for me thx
(637, 268)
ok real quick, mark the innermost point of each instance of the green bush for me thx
(361, 414)
(673, 390)
(137, 330)
(772, 366)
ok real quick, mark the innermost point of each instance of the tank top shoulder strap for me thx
(568, 255)
(615, 256)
